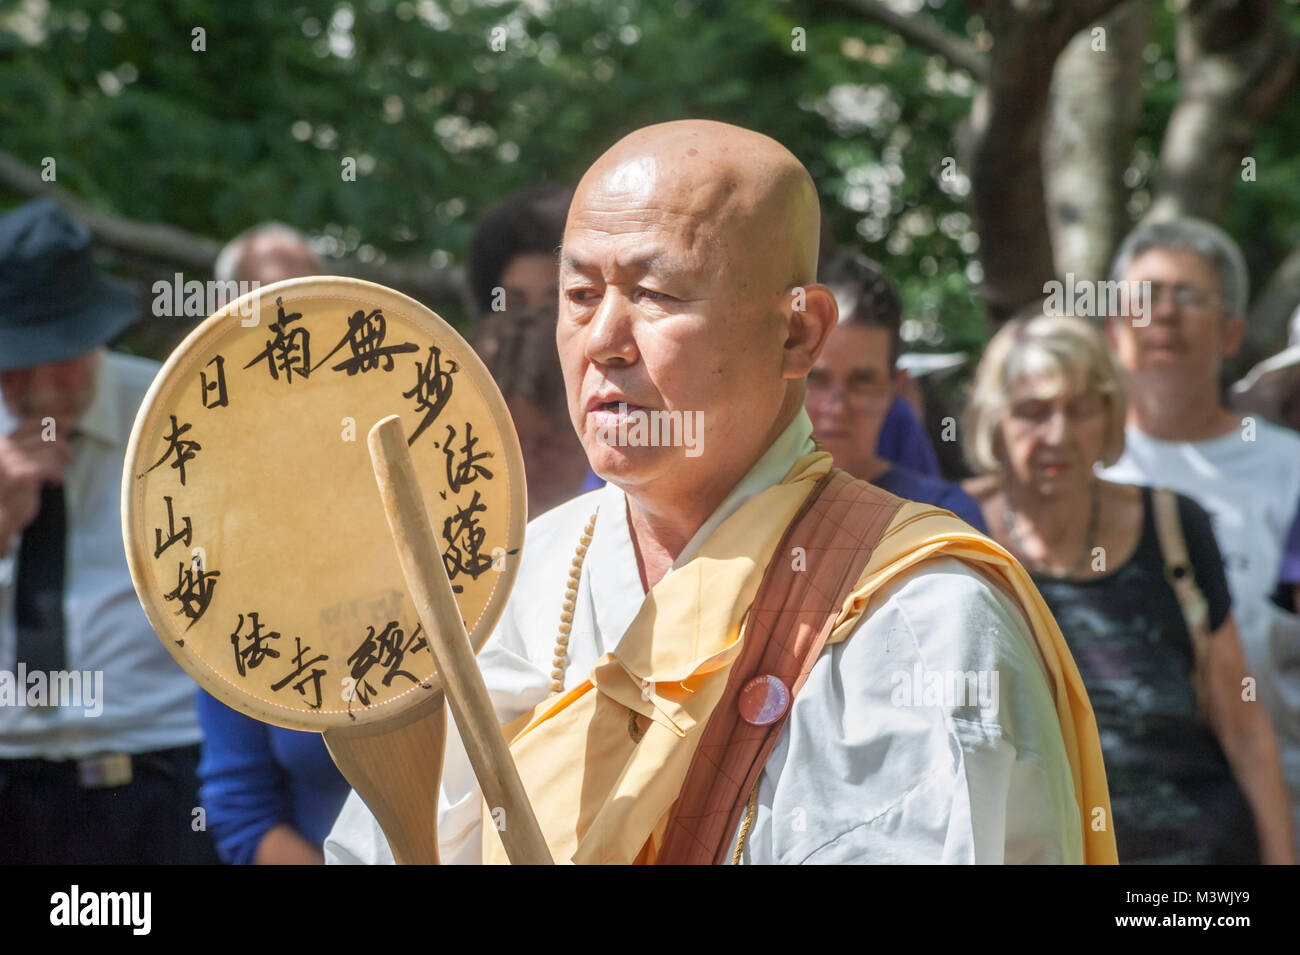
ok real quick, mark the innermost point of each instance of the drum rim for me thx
(401, 707)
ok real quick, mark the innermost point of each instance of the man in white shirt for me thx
(687, 278)
(98, 733)
(1244, 471)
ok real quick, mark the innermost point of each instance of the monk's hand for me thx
(27, 460)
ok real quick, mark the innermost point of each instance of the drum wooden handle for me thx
(426, 577)
(395, 767)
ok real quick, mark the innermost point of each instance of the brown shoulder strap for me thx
(794, 610)
(1178, 572)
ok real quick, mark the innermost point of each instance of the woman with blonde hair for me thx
(1136, 582)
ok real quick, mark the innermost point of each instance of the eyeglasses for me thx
(1190, 297)
(861, 394)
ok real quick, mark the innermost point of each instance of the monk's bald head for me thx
(688, 287)
(734, 196)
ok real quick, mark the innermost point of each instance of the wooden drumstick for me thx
(426, 577)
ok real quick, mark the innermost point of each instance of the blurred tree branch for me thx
(922, 33)
(164, 243)
(143, 247)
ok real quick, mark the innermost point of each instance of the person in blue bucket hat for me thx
(99, 741)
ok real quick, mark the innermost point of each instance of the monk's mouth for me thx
(614, 411)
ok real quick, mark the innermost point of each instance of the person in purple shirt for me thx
(269, 795)
(852, 386)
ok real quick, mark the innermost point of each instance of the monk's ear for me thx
(810, 312)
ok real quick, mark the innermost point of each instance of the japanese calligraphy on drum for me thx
(255, 534)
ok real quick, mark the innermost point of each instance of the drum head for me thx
(254, 529)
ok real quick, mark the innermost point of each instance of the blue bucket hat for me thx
(54, 303)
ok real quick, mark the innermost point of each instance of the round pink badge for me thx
(763, 700)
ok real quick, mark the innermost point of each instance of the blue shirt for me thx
(147, 700)
(256, 776)
(903, 440)
(928, 490)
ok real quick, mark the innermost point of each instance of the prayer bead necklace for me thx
(560, 659)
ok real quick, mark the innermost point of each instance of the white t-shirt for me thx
(855, 776)
(1249, 482)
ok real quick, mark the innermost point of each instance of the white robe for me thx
(868, 768)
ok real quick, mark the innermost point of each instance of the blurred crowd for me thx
(1158, 513)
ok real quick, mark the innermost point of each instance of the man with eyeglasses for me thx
(854, 381)
(1244, 471)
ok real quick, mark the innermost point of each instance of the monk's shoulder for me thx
(952, 615)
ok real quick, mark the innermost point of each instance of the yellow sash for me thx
(603, 797)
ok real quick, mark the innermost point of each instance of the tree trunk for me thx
(1235, 62)
(154, 250)
(1006, 166)
(1093, 113)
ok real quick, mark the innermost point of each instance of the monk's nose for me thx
(609, 334)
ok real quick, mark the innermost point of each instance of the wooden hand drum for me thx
(263, 551)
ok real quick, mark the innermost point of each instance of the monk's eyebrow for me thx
(657, 261)
(569, 263)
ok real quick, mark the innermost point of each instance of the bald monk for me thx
(733, 652)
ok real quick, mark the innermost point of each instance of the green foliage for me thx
(441, 124)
